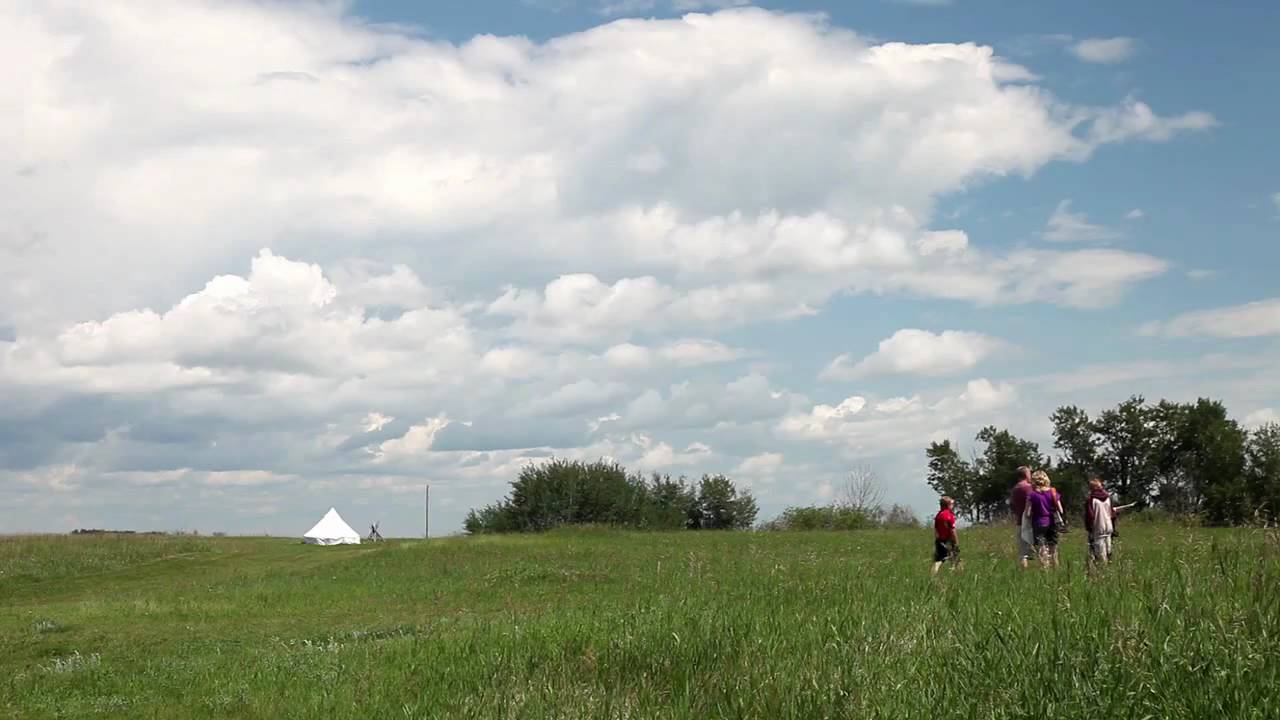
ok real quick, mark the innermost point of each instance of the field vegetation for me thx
(586, 623)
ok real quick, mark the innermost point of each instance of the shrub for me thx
(829, 517)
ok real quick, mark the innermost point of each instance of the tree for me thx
(996, 470)
(722, 507)
(673, 504)
(1126, 440)
(1262, 472)
(562, 492)
(949, 474)
(863, 492)
(1199, 455)
(900, 516)
(1073, 434)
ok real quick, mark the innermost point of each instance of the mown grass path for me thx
(598, 624)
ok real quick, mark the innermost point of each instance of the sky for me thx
(258, 259)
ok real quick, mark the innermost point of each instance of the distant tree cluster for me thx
(569, 492)
(858, 505)
(1186, 458)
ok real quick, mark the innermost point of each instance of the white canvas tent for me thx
(331, 530)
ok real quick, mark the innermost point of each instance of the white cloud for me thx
(565, 232)
(897, 423)
(919, 352)
(1135, 214)
(375, 421)
(1106, 51)
(761, 465)
(463, 177)
(699, 352)
(418, 439)
(572, 399)
(1136, 121)
(1255, 319)
(629, 356)
(659, 455)
(1066, 226)
(1261, 417)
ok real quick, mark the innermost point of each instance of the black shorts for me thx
(1045, 536)
(943, 549)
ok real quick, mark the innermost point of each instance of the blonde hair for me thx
(1040, 479)
(945, 502)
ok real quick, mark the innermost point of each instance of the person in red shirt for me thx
(945, 544)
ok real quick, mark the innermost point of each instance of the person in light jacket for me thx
(1099, 522)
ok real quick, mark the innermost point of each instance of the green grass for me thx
(597, 624)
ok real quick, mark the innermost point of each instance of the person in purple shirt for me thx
(1018, 507)
(1042, 501)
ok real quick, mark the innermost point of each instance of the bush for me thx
(830, 517)
(900, 516)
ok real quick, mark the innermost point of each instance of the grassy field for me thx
(597, 624)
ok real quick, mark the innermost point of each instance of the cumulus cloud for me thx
(1255, 319)
(919, 352)
(896, 423)
(1106, 51)
(550, 239)
(452, 169)
(1067, 226)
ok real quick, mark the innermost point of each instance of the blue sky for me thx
(266, 258)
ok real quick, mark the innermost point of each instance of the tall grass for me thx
(598, 624)
(43, 557)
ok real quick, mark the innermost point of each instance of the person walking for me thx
(1099, 522)
(1059, 518)
(946, 546)
(1042, 502)
(1018, 510)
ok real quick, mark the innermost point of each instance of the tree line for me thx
(557, 493)
(1186, 458)
(569, 492)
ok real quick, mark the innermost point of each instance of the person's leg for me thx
(939, 556)
(1106, 550)
(1024, 550)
